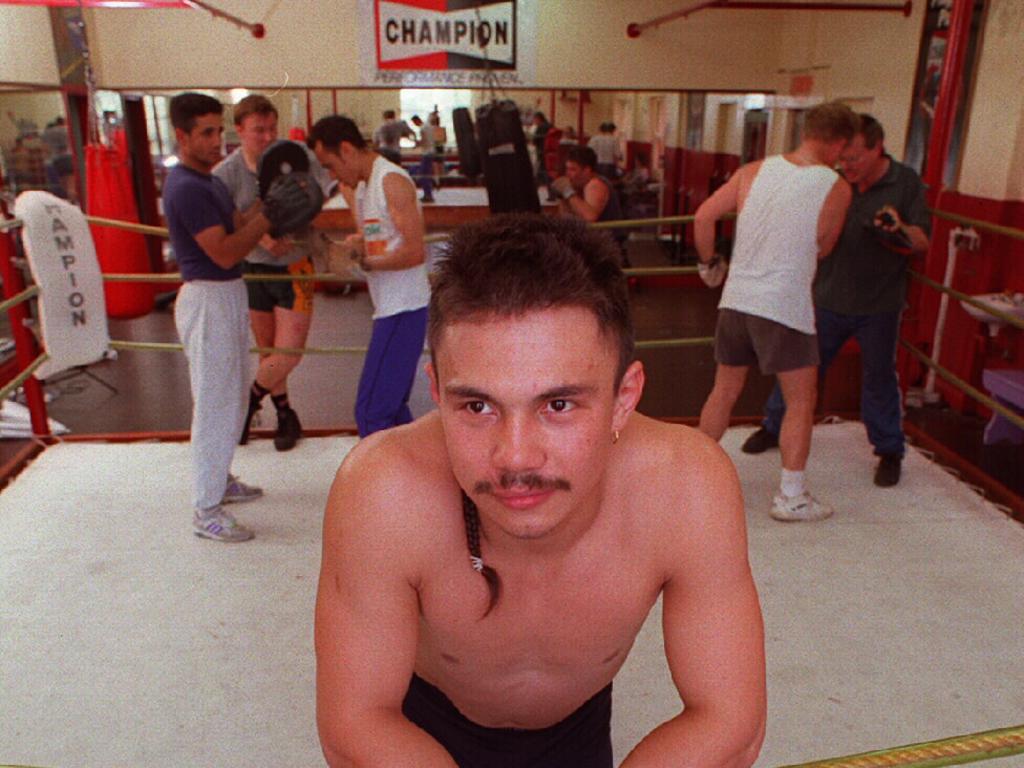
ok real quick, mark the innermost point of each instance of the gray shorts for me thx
(742, 340)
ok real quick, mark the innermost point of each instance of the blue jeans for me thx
(424, 175)
(396, 344)
(880, 408)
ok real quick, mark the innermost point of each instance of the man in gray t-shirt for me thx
(388, 137)
(279, 312)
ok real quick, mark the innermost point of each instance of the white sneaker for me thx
(237, 492)
(219, 525)
(802, 508)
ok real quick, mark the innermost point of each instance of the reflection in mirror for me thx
(34, 143)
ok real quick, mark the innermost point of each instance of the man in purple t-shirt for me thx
(210, 239)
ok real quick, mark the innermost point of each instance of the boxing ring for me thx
(125, 641)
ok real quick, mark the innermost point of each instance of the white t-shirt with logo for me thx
(391, 291)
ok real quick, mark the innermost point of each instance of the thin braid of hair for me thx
(472, 517)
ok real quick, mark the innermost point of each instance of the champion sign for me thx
(446, 35)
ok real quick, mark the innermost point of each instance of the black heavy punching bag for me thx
(508, 172)
(465, 138)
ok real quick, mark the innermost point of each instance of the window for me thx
(423, 101)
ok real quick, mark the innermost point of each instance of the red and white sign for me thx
(430, 35)
(447, 42)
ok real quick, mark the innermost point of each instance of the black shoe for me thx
(254, 405)
(760, 441)
(888, 472)
(288, 430)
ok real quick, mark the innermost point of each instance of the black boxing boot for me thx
(289, 430)
(256, 394)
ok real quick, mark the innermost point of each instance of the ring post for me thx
(24, 342)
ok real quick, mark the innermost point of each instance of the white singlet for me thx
(392, 291)
(776, 250)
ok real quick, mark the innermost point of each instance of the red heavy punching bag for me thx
(108, 184)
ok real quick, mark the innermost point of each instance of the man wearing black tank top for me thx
(586, 194)
(487, 568)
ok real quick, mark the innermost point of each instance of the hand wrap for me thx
(713, 272)
(563, 187)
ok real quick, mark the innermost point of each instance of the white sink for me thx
(1010, 303)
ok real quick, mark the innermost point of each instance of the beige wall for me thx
(26, 46)
(856, 56)
(865, 58)
(309, 43)
(709, 50)
(313, 43)
(993, 163)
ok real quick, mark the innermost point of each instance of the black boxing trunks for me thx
(296, 295)
(581, 740)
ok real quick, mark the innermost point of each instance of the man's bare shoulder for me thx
(679, 469)
(399, 478)
(674, 451)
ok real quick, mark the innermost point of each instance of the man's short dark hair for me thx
(334, 129)
(512, 264)
(254, 104)
(188, 107)
(582, 156)
(831, 121)
(871, 130)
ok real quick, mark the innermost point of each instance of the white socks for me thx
(792, 483)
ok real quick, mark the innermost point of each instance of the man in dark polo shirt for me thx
(860, 289)
(210, 239)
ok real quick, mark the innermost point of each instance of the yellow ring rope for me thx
(958, 750)
(22, 377)
(990, 308)
(18, 298)
(963, 386)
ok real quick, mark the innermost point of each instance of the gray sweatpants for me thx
(212, 319)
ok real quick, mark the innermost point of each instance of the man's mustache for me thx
(528, 480)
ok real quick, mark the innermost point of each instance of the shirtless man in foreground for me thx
(486, 568)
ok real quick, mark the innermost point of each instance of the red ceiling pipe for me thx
(949, 93)
(634, 29)
(256, 30)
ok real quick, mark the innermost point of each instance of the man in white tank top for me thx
(390, 251)
(791, 212)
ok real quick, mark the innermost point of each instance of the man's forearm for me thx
(581, 208)
(698, 741)
(235, 247)
(403, 257)
(704, 238)
(389, 742)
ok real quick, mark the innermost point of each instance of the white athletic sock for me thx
(792, 483)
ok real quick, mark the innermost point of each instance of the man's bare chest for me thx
(543, 621)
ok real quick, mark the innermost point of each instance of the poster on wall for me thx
(447, 43)
(927, 84)
(69, 44)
